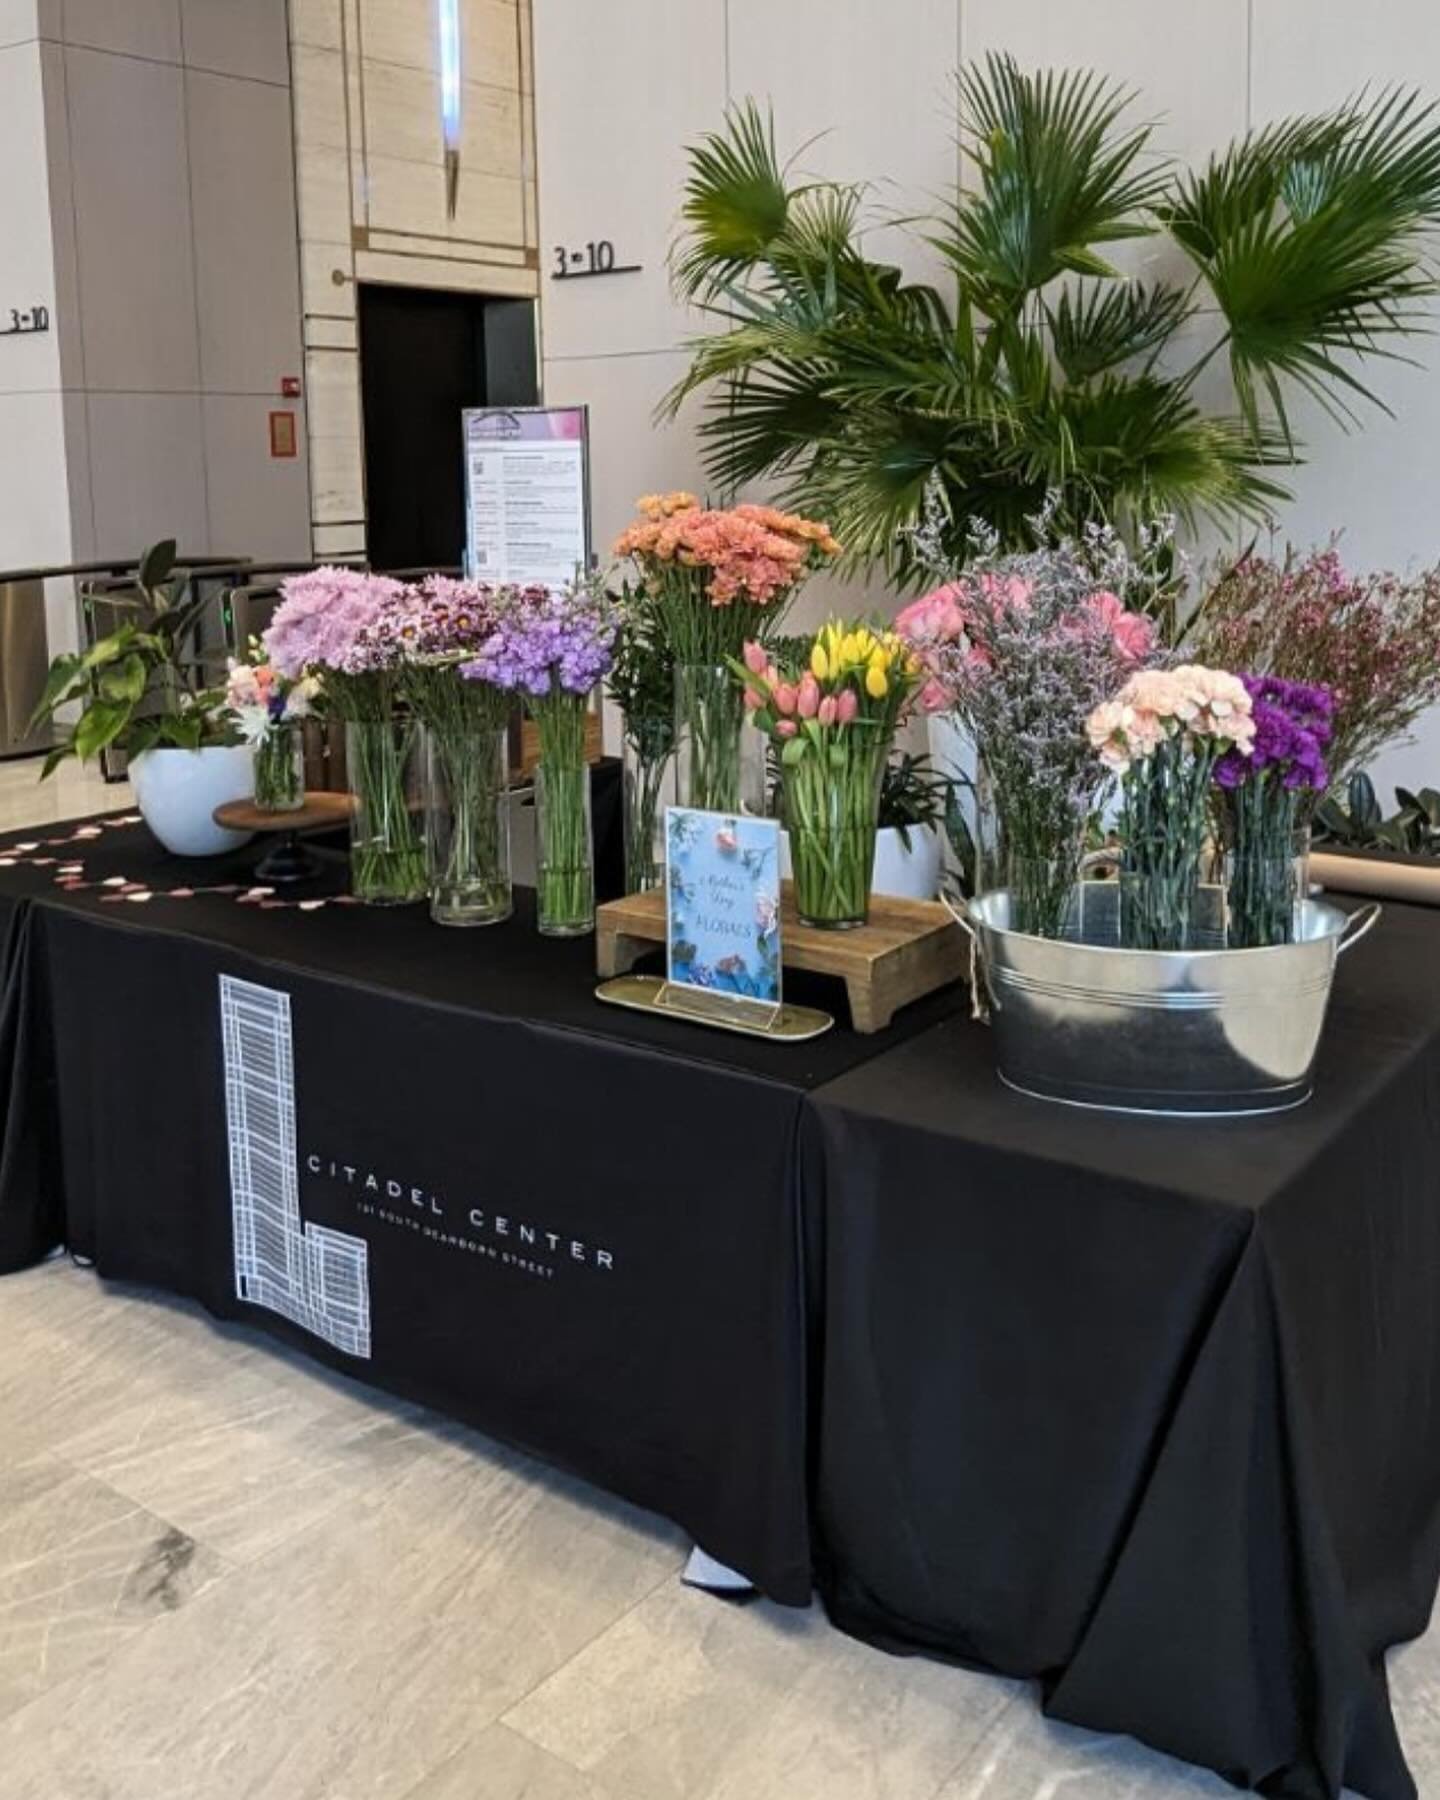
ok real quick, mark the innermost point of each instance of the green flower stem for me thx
(1163, 831)
(832, 797)
(650, 756)
(279, 777)
(1260, 819)
(565, 871)
(710, 707)
(387, 858)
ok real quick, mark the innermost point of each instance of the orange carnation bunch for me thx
(749, 553)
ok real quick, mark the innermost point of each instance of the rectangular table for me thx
(1146, 1408)
(430, 1158)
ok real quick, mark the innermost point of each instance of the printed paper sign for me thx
(527, 500)
(723, 904)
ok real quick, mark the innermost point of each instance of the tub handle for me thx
(1360, 924)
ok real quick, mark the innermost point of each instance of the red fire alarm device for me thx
(290, 386)
(282, 434)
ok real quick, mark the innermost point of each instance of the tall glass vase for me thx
(1029, 846)
(720, 765)
(1266, 865)
(648, 774)
(564, 847)
(467, 826)
(280, 770)
(387, 852)
(832, 807)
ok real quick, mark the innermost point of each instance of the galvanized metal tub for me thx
(1207, 1031)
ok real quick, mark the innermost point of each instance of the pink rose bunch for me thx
(1155, 706)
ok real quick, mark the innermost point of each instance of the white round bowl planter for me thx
(177, 792)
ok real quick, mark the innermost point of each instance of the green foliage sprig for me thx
(143, 684)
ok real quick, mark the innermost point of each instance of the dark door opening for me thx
(424, 357)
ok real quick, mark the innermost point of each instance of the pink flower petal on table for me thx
(272, 905)
(345, 900)
(8, 862)
(309, 905)
(72, 868)
(182, 893)
(71, 885)
(25, 849)
(140, 897)
(114, 881)
(87, 831)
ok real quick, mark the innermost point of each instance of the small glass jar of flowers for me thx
(437, 626)
(335, 624)
(1164, 734)
(715, 580)
(833, 721)
(268, 710)
(552, 646)
(1261, 802)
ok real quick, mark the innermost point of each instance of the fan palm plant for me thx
(1045, 370)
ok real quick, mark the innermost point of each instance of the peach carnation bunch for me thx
(747, 553)
(1189, 702)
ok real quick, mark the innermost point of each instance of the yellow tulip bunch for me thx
(874, 658)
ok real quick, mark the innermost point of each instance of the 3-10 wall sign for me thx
(37, 318)
(595, 258)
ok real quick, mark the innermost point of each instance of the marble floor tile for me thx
(500, 1765)
(358, 1657)
(1024, 1756)
(70, 793)
(690, 1698)
(83, 1569)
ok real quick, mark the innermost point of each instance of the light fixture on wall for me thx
(450, 122)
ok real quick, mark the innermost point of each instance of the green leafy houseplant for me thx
(848, 387)
(1359, 823)
(142, 686)
(913, 796)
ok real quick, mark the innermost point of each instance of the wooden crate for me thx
(908, 949)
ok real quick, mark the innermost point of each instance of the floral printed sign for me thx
(723, 900)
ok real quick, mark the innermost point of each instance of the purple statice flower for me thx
(327, 619)
(548, 641)
(1294, 721)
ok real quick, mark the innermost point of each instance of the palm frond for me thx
(1095, 327)
(736, 202)
(1312, 239)
(1059, 173)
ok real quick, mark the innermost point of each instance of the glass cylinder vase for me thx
(1266, 878)
(467, 826)
(280, 770)
(648, 775)
(564, 849)
(1030, 845)
(387, 852)
(720, 765)
(832, 809)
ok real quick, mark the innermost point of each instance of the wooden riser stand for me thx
(908, 949)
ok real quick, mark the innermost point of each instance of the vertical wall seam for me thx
(195, 278)
(1249, 65)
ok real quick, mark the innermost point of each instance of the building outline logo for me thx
(313, 1275)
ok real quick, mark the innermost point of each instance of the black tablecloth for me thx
(573, 1226)
(1148, 1409)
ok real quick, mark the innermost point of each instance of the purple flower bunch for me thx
(549, 641)
(436, 620)
(326, 620)
(1294, 723)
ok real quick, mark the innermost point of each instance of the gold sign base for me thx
(653, 994)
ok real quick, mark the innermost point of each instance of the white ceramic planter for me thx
(913, 874)
(177, 791)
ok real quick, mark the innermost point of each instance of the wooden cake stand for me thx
(287, 860)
